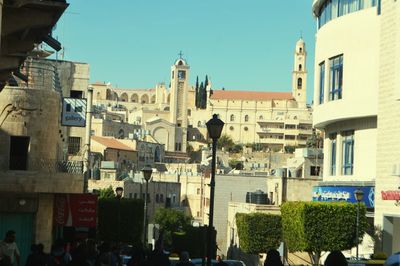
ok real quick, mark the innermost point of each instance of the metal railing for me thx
(54, 166)
(41, 74)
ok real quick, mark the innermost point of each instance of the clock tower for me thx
(299, 74)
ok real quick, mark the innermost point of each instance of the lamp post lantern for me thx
(214, 128)
(358, 194)
(147, 171)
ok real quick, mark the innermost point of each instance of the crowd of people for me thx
(88, 253)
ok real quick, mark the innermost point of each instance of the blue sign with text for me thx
(344, 193)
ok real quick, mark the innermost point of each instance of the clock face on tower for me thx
(181, 74)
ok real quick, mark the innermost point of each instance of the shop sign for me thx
(78, 210)
(343, 193)
(390, 195)
(73, 112)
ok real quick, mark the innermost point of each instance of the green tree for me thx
(259, 232)
(106, 193)
(170, 221)
(314, 227)
(197, 92)
(225, 142)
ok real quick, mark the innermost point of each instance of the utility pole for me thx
(86, 163)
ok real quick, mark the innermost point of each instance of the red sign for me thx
(78, 210)
(390, 195)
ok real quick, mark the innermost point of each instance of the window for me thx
(246, 128)
(231, 128)
(261, 117)
(198, 191)
(321, 82)
(181, 74)
(74, 145)
(333, 153)
(68, 107)
(300, 67)
(157, 198)
(178, 146)
(299, 83)
(189, 112)
(336, 78)
(232, 118)
(19, 147)
(336, 8)
(246, 118)
(348, 152)
(161, 198)
(130, 195)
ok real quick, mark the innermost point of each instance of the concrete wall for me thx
(388, 146)
(225, 191)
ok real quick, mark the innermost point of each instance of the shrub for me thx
(259, 232)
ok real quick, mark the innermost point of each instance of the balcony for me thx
(44, 176)
(24, 24)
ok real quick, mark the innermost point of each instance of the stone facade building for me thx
(170, 115)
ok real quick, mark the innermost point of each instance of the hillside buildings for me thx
(173, 117)
(356, 96)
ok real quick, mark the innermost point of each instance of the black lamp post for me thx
(358, 194)
(214, 128)
(147, 171)
(118, 192)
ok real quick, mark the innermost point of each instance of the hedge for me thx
(259, 232)
(120, 220)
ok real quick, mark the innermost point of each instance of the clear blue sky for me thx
(241, 45)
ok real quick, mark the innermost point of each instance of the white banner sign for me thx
(73, 112)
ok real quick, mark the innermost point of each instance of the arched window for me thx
(261, 117)
(246, 118)
(199, 124)
(134, 98)
(189, 112)
(232, 118)
(300, 67)
(299, 83)
(301, 50)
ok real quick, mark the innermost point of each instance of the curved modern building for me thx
(346, 97)
(356, 104)
(346, 87)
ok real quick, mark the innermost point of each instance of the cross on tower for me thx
(180, 54)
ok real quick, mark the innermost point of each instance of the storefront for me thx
(344, 193)
(75, 216)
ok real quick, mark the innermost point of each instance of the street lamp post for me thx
(214, 128)
(147, 171)
(358, 194)
(118, 192)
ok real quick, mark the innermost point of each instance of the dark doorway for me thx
(19, 153)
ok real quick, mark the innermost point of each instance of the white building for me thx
(356, 91)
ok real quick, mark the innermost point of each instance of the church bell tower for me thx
(299, 74)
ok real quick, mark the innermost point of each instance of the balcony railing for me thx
(54, 166)
(41, 74)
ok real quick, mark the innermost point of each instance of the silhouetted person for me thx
(158, 256)
(9, 248)
(37, 256)
(184, 259)
(335, 258)
(273, 258)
